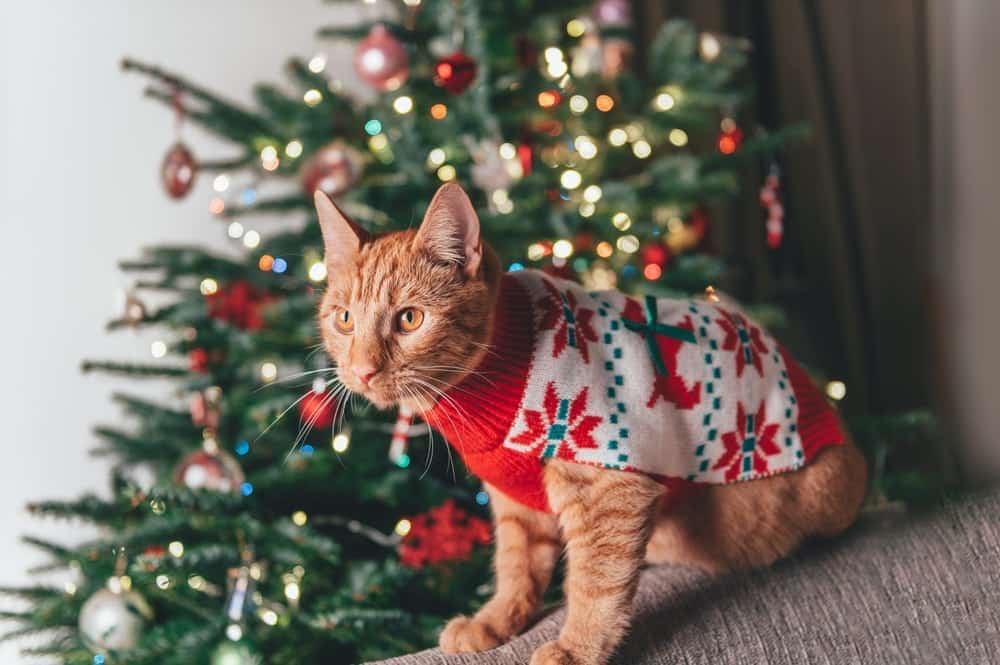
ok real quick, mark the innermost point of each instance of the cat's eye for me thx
(410, 319)
(343, 321)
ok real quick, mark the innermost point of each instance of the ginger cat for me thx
(617, 430)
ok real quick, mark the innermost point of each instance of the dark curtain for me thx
(853, 271)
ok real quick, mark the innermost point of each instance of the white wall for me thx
(79, 190)
(965, 96)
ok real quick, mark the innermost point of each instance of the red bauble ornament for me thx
(215, 472)
(381, 61)
(731, 137)
(524, 156)
(198, 360)
(178, 171)
(455, 73)
(318, 409)
(770, 201)
(331, 169)
(654, 253)
(239, 304)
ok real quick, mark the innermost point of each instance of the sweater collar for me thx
(480, 410)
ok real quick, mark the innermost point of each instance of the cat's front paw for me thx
(463, 634)
(551, 653)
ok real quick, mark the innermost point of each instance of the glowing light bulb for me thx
(508, 151)
(378, 142)
(235, 230)
(403, 527)
(562, 249)
(217, 205)
(292, 591)
(548, 98)
(317, 63)
(836, 390)
(592, 194)
(617, 136)
(403, 104)
(585, 146)
(176, 549)
(317, 271)
(578, 104)
(709, 46)
(299, 518)
(208, 286)
(604, 249)
(604, 103)
(587, 209)
(341, 442)
(570, 179)
(251, 239)
(439, 111)
(446, 173)
(436, 157)
(293, 149)
(162, 581)
(268, 153)
(664, 101)
(268, 616)
(268, 371)
(234, 632)
(677, 137)
(312, 97)
(621, 221)
(221, 182)
(642, 149)
(158, 349)
(576, 28)
(628, 244)
(535, 251)
(553, 54)
(652, 272)
(557, 69)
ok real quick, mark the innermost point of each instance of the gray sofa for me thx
(895, 589)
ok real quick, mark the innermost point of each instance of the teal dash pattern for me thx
(710, 419)
(616, 380)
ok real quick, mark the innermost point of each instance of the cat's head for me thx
(407, 314)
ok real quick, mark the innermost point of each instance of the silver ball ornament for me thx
(113, 621)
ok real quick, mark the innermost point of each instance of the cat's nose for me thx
(365, 373)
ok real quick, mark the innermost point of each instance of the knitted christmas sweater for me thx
(686, 391)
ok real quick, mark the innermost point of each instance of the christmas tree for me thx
(264, 517)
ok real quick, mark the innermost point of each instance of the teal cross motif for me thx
(651, 328)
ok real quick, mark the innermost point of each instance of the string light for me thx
(482, 498)
(836, 390)
(652, 272)
(403, 527)
(436, 157)
(557, 69)
(711, 295)
(299, 518)
(221, 182)
(292, 591)
(548, 98)
(162, 581)
(664, 101)
(317, 271)
(403, 104)
(373, 127)
(251, 239)
(536, 251)
(196, 582)
(268, 616)
(158, 349)
(621, 221)
(592, 194)
(312, 97)
(628, 244)
(562, 249)
(268, 371)
(585, 146)
(378, 142)
(578, 104)
(216, 206)
(642, 149)
(341, 442)
(570, 179)
(266, 262)
(508, 151)
(69, 588)
(604, 249)
(553, 54)
(412, 3)
(176, 549)
(208, 286)
(235, 230)
(576, 28)
(587, 209)
(317, 63)
(709, 46)
(446, 173)
(604, 103)
(677, 137)
(293, 149)
(234, 632)
(617, 136)
(439, 111)
(268, 153)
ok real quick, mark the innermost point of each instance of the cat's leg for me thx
(606, 518)
(722, 528)
(527, 548)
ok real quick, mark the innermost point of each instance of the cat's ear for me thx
(450, 230)
(342, 238)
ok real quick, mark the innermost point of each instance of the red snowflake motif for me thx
(745, 339)
(240, 304)
(749, 445)
(561, 421)
(572, 324)
(445, 533)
